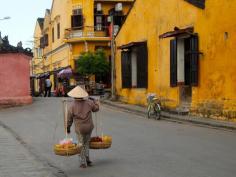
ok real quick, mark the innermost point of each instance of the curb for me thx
(176, 118)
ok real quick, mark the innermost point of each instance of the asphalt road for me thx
(140, 147)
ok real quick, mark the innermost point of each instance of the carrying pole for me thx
(96, 122)
(65, 111)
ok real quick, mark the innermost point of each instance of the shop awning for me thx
(65, 73)
(59, 69)
(132, 44)
(33, 76)
(43, 75)
(177, 32)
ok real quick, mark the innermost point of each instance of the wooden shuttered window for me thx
(77, 21)
(197, 3)
(191, 55)
(46, 40)
(58, 31)
(53, 35)
(173, 63)
(126, 69)
(42, 42)
(194, 60)
(142, 66)
(98, 22)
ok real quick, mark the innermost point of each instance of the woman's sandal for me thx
(83, 166)
(89, 163)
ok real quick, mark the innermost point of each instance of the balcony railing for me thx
(73, 33)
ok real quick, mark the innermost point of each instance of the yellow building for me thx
(74, 26)
(182, 50)
(37, 61)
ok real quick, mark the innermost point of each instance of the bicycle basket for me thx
(150, 97)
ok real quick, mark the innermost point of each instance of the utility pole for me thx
(113, 94)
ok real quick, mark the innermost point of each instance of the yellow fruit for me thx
(71, 145)
(57, 146)
(107, 139)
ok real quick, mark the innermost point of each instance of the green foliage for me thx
(90, 63)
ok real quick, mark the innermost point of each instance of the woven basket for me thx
(66, 152)
(100, 145)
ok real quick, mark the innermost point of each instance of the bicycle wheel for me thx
(149, 111)
(157, 109)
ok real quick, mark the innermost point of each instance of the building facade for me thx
(70, 28)
(14, 74)
(182, 50)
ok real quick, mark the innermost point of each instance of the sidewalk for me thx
(174, 117)
(16, 160)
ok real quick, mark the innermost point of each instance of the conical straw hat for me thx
(78, 92)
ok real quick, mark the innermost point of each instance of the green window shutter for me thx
(173, 63)
(194, 60)
(142, 66)
(126, 69)
(197, 3)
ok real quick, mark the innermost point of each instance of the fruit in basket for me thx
(96, 139)
(58, 146)
(107, 139)
(72, 145)
(66, 144)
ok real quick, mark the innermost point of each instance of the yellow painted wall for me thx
(217, 65)
(47, 30)
(37, 59)
(61, 53)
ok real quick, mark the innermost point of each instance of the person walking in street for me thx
(80, 112)
(48, 86)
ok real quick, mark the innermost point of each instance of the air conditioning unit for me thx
(99, 7)
(119, 7)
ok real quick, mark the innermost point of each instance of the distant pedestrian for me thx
(80, 112)
(48, 86)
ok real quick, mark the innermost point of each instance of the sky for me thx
(23, 13)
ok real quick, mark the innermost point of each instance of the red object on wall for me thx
(110, 31)
(14, 79)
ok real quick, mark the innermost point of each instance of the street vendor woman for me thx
(80, 112)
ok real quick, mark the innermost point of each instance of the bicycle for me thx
(154, 106)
